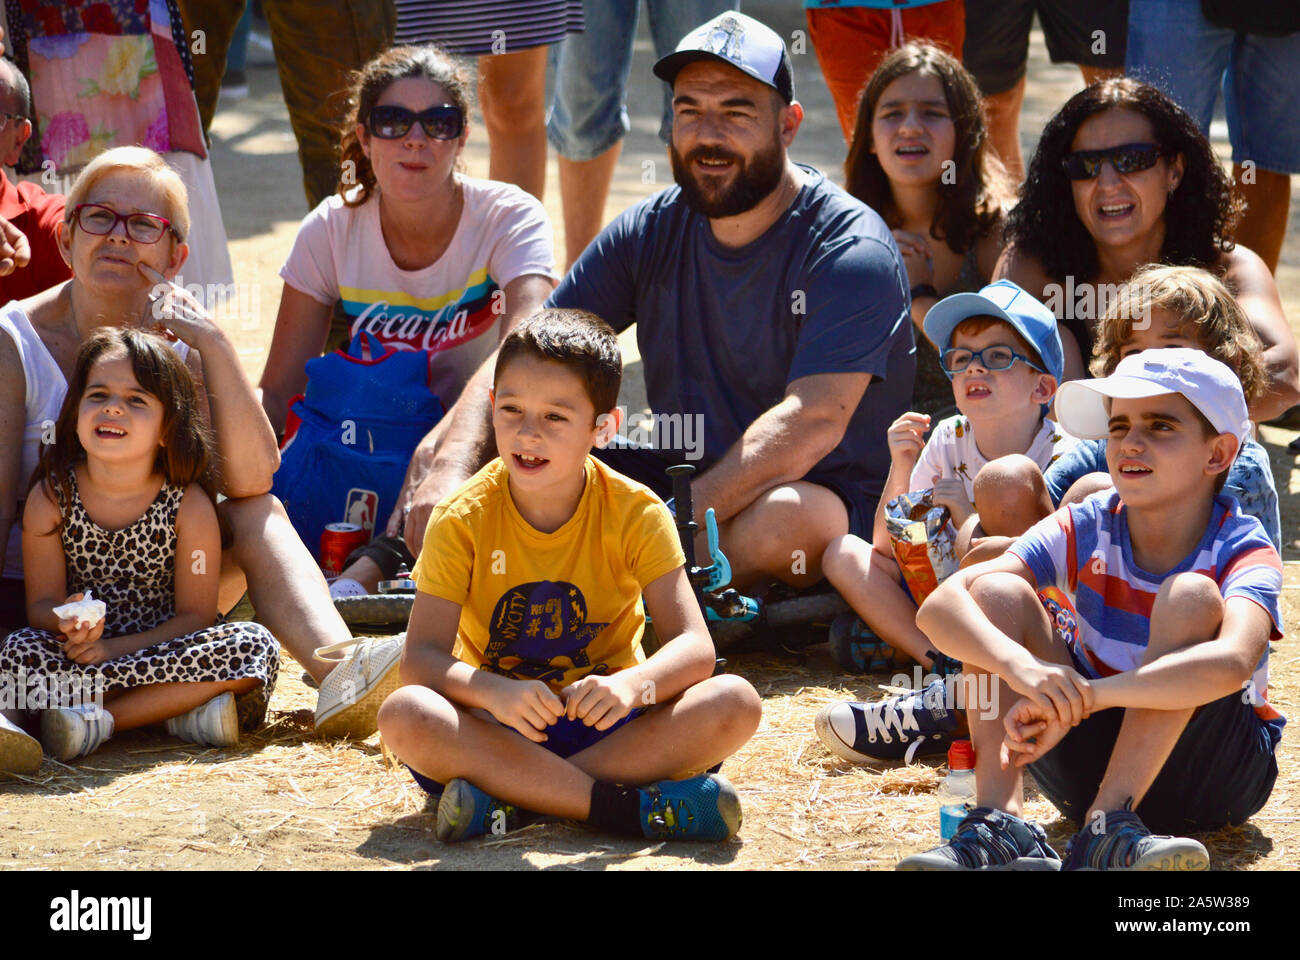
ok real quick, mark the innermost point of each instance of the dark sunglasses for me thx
(141, 227)
(1126, 158)
(390, 122)
(956, 359)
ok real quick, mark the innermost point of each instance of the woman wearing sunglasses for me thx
(1123, 177)
(416, 256)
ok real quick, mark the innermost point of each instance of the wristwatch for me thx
(924, 290)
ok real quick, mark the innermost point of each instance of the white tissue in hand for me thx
(87, 610)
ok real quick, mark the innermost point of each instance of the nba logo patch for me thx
(362, 506)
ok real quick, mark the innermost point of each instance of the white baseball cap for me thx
(1209, 385)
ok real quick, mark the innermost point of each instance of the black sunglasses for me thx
(391, 122)
(1126, 158)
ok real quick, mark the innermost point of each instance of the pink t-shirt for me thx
(452, 308)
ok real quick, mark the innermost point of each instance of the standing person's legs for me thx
(1189, 70)
(317, 42)
(210, 25)
(588, 116)
(1261, 90)
(850, 43)
(995, 52)
(670, 21)
(512, 93)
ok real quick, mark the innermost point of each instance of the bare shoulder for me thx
(1245, 271)
(40, 512)
(1023, 269)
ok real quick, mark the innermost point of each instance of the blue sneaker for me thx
(465, 812)
(701, 808)
(915, 724)
(1119, 840)
(855, 648)
(989, 839)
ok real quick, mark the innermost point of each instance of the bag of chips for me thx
(924, 541)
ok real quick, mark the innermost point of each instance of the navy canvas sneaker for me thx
(1119, 840)
(919, 723)
(989, 839)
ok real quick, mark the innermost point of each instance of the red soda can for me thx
(336, 542)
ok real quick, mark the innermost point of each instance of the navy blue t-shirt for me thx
(722, 330)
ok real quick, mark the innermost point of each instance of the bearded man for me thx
(772, 318)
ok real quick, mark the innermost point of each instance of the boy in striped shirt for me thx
(1130, 634)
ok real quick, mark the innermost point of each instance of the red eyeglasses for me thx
(141, 227)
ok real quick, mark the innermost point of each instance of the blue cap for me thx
(739, 41)
(1010, 303)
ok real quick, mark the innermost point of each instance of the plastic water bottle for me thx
(957, 790)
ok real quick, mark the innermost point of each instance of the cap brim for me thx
(1081, 404)
(667, 68)
(946, 315)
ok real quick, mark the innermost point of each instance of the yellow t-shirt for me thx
(548, 606)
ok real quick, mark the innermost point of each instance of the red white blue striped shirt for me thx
(1084, 552)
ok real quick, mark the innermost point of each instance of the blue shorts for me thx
(647, 465)
(1259, 75)
(564, 738)
(1221, 770)
(588, 114)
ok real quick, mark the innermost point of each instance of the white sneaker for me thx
(211, 724)
(351, 695)
(70, 732)
(19, 752)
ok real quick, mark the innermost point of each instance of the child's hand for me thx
(528, 706)
(80, 632)
(906, 437)
(93, 651)
(600, 702)
(1056, 688)
(951, 493)
(1032, 730)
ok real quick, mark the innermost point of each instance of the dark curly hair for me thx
(368, 85)
(1200, 217)
(971, 207)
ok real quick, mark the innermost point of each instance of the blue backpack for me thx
(352, 435)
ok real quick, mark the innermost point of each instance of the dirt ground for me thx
(285, 800)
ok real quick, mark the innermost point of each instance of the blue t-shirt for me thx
(723, 330)
(1250, 480)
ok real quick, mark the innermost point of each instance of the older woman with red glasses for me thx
(417, 258)
(124, 238)
(1122, 177)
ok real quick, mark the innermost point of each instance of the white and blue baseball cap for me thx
(1010, 303)
(1208, 384)
(739, 41)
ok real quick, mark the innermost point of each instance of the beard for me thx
(752, 181)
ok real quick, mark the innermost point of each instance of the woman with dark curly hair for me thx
(921, 158)
(1123, 177)
(419, 257)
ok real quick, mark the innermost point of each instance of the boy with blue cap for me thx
(1001, 349)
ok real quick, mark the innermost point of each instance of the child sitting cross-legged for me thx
(1002, 352)
(528, 691)
(1126, 637)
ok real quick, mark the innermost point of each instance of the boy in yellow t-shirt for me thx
(528, 690)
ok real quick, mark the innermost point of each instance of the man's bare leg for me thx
(782, 534)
